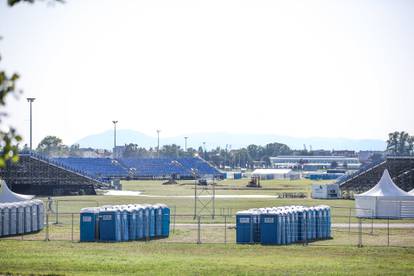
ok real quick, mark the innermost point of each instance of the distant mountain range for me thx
(124, 136)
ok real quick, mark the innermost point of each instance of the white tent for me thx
(411, 192)
(385, 200)
(6, 195)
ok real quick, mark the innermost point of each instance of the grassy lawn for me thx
(66, 258)
(179, 255)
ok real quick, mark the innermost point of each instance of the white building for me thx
(314, 162)
(326, 191)
(275, 174)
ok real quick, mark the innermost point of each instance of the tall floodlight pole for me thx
(114, 122)
(31, 100)
(158, 143)
(204, 150)
(185, 143)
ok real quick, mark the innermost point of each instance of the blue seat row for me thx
(96, 167)
(22, 217)
(124, 223)
(283, 225)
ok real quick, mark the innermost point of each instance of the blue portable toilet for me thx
(308, 224)
(20, 217)
(124, 223)
(13, 219)
(109, 224)
(165, 231)
(256, 224)
(151, 221)
(294, 224)
(244, 227)
(27, 217)
(325, 221)
(313, 213)
(301, 224)
(146, 221)
(6, 219)
(139, 222)
(269, 228)
(89, 224)
(283, 226)
(40, 214)
(319, 222)
(132, 223)
(33, 208)
(158, 220)
(328, 222)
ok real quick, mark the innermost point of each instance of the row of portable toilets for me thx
(283, 225)
(124, 223)
(23, 217)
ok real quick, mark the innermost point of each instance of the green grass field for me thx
(65, 258)
(180, 255)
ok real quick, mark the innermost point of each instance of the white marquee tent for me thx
(385, 200)
(275, 174)
(6, 195)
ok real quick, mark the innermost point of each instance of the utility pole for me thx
(158, 145)
(114, 122)
(31, 100)
(185, 143)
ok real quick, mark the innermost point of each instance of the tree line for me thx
(398, 144)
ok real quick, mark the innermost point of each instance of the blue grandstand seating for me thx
(101, 168)
(199, 165)
(163, 167)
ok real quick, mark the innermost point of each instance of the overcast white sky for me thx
(298, 68)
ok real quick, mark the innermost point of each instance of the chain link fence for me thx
(346, 228)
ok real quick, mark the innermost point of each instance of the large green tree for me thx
(400, 143)
(52, 146)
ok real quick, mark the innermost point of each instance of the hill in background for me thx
(124, 136)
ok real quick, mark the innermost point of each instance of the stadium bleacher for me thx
(101, 168)
(162, 167)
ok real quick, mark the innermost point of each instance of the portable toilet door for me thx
(109, 224)
(88, 224)
(328, 223)
(319, 223)
(124, 223)
(158, 220)
(301, 224)
(256, 226)
(13, 219)
(20, 217)
(244, 227)
(288, 227)
(313, 223)
(146, 222)
(152, 222)
(139, 222)
(324, 222)
(6, 219)
(268, 228)
(40, 214)
(165, 221)
(308, 224)
(27, 217)
(132, 223)
(35, 226)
